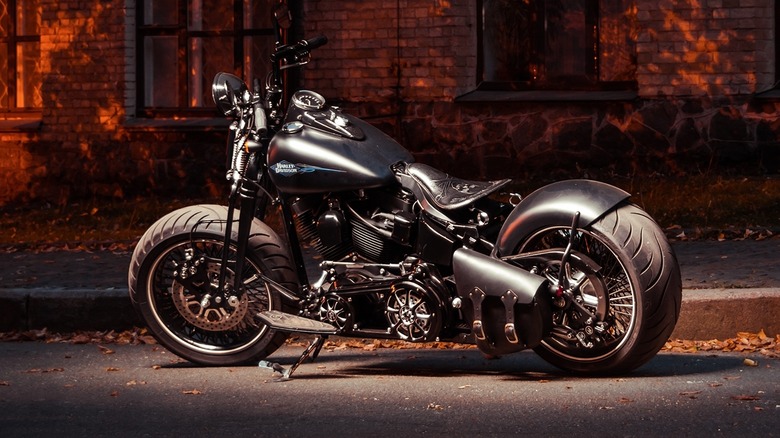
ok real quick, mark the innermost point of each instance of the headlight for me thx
(227, 90)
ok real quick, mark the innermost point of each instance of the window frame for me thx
(537, 41)
(12, 41)
(777, 46)
(180, 30)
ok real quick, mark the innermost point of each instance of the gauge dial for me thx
(308, 100)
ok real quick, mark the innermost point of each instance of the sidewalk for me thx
(728, 287)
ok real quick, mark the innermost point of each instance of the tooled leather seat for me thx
(449, 193)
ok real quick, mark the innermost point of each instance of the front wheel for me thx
(174, 283)
(622, 294)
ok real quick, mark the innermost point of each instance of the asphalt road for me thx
(85, 390)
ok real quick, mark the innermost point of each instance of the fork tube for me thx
(248, 202)
(226, 244)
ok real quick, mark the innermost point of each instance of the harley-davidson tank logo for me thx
(285, 168)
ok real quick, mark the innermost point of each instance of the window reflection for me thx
(558, 44)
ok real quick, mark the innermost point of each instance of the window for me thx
(20, 55)
(183, 44)
(557, 44)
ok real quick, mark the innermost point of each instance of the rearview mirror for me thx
(283, 16)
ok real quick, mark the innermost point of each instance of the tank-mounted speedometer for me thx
(308, 100)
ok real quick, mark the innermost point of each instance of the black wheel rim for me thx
(609, 293)
(176, 308)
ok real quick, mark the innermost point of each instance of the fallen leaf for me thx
(5, 383)
(750, 362)
(105, 350)
(746, 397)
(625, 400)
(690, 394)
(434, 407)
(42, 371)
(112, 369)
(114, 393)
(192, 392)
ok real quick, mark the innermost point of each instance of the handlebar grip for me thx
(261, 124)
(298, 49)
(317, 41)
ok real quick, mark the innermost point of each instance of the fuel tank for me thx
(320, 149)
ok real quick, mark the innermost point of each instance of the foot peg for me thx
(285, 322)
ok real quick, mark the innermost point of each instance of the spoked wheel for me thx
(621, 296)
(175, 287)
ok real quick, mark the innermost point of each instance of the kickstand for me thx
(313, 350)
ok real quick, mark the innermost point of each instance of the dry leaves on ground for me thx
(135, 336)
(744, 342)
(80, 246)
(676, 233)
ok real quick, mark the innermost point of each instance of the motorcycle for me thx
(574, 270)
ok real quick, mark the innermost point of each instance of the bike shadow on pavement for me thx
(529, 366)
(524, 366)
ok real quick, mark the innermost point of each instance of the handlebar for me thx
(295, 52)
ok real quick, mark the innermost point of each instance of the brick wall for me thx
(699, 63)
(88, 143)
(382, 50)
(402, 64)
(698, 47)
(82, 62)
(428, 49)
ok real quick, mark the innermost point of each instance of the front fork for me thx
(244, 194)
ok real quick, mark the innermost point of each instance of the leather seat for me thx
(449, 193)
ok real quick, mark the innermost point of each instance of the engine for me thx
(374, 285)
(377, 227)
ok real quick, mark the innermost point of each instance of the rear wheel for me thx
(174, 286)
(622, 295)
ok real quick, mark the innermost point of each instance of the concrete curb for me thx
(62, 310)
(705, 313)
(721, 313)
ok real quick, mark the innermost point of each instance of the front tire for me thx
(191, 318)
(627, 275)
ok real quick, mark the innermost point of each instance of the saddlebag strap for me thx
(477, 296)
(510, 299)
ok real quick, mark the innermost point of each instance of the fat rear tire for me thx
(163, 304)
(641, 249)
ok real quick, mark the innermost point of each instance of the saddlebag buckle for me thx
(510, 299)
(476, 296)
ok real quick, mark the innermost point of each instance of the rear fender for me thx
(555, 204)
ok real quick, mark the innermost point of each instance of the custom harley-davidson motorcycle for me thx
(573, 270)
